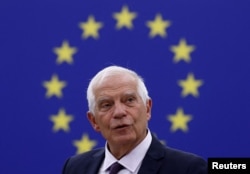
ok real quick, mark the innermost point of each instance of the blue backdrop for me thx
(194, 56)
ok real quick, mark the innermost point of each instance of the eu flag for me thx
(193, 55)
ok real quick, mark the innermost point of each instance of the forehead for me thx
(113, 84)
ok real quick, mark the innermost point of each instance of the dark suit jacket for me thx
(158, 160)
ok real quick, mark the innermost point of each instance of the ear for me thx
(149, 107)
(92, 120)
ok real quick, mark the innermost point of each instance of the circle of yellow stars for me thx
(124, 19)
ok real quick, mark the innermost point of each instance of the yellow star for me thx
(54, 87)
(90, 28)
(182, 51)
(190, 86)
(65, 53)
(61, 121)
(179, 120)
(124, 18)
(158, 26)
(85, 144)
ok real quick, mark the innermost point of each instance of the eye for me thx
(130, 100)
(104, 106)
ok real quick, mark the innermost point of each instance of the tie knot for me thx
(115, 168)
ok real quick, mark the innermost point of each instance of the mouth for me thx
(121, 126)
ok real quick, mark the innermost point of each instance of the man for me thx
(120, 108)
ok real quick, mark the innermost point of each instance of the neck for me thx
(120, 150)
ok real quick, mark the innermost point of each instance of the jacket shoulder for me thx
(184, 162)
(170, 160)
(87, 155)
(83, 162)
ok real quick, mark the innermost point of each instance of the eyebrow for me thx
(105, 98)
(130, 94)
(102, 99)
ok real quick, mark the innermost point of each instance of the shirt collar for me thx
(133, 159)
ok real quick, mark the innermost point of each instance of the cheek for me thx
(142, 119)
(103, 122)
(145, 118)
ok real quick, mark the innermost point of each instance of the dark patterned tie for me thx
(115, 168)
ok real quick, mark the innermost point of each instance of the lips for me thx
(121, 126)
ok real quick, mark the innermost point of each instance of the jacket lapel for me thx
(95, 162)
(153, 158)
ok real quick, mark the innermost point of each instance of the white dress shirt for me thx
(132, 161)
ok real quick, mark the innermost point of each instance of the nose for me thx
(119, 110)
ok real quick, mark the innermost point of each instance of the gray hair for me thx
(114, 70)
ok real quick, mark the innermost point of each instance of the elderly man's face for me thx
(120, 114)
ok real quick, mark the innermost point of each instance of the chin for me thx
(124, 139)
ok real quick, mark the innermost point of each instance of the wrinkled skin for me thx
(120, 114)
